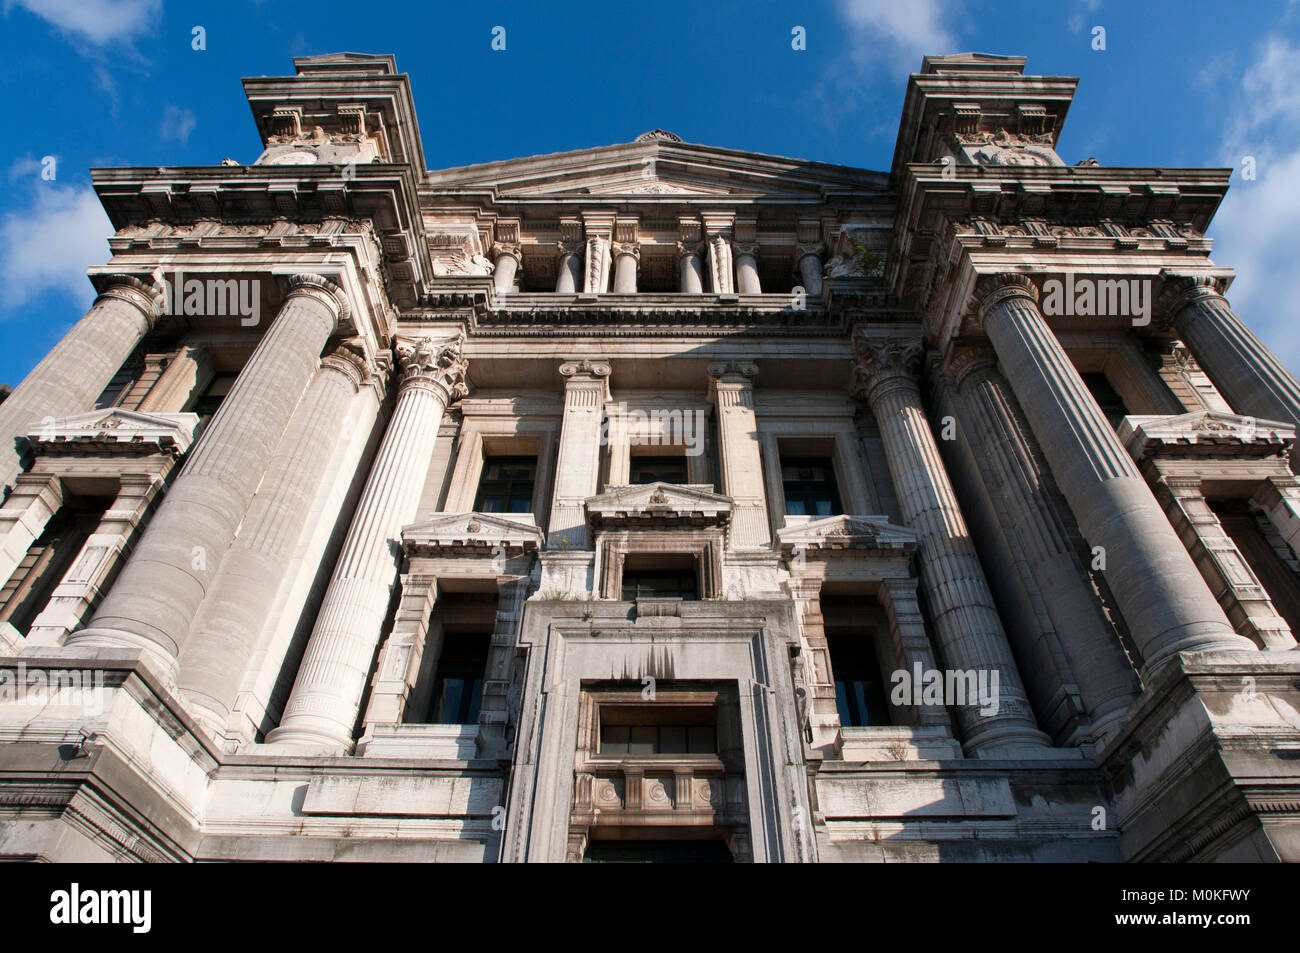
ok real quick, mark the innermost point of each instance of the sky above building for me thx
(122, 83)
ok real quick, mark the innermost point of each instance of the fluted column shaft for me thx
(731, 386)
(1018, 484)
(224, 633)
(1166, 603)
(966, 622)
(577, 468)
(326, 698)
(77, 369)
(1242, 367)
(162, 585)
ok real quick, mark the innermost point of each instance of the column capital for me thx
(148, 298)
(743, 249)
(433, 364)
(992, 290)
(320, 287)
(627, 249)
(509, 249)
(1182, 289)
(570, 248)
(349, 359)
(689, 249)
(803, 250)
(963, 357)
(584, 370)
(885, 363)
(733, 372)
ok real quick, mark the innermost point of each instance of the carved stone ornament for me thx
(439, 363)
(884, 359)
(585, 367)
(459, 263)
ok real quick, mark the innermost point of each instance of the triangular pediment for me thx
(479, 533)
(657, 167)
(659, 501)
(846, 533)
(1203, 431)
(114, 429)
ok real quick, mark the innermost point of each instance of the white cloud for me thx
(96, 21)
(1254, 229)
(1079, 17)
(50, 244)
(897, 33)
(177, 123)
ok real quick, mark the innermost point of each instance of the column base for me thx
(304, 740)
(117, 643)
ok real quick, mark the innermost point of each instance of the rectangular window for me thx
(651, 469)
(658, 739)
(859, 694)
(48, 559)
(458, 685)
(809, 484)
(506, 485)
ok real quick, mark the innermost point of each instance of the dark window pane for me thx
(613, 739)
(642, 739)
(859, 693)
(809, 485)
(458, 687)
(672, 739)
(506, 485)
(652, 469)
(700, 739)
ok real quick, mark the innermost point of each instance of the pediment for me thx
(116, 430)
(472, 533)
(1204, 431)
(657, 167)
(846, 533)
(673, 502)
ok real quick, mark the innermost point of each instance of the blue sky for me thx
(117, 82)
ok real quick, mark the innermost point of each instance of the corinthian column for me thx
(154, 599)
(731, 387)
(1165, 602)
(322, 709)
(1244, 370)
(225, 630)
(1018, 483)
(577, 469)
(78, 368)
(966, 624)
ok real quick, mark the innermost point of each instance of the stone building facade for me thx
(653, 501)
